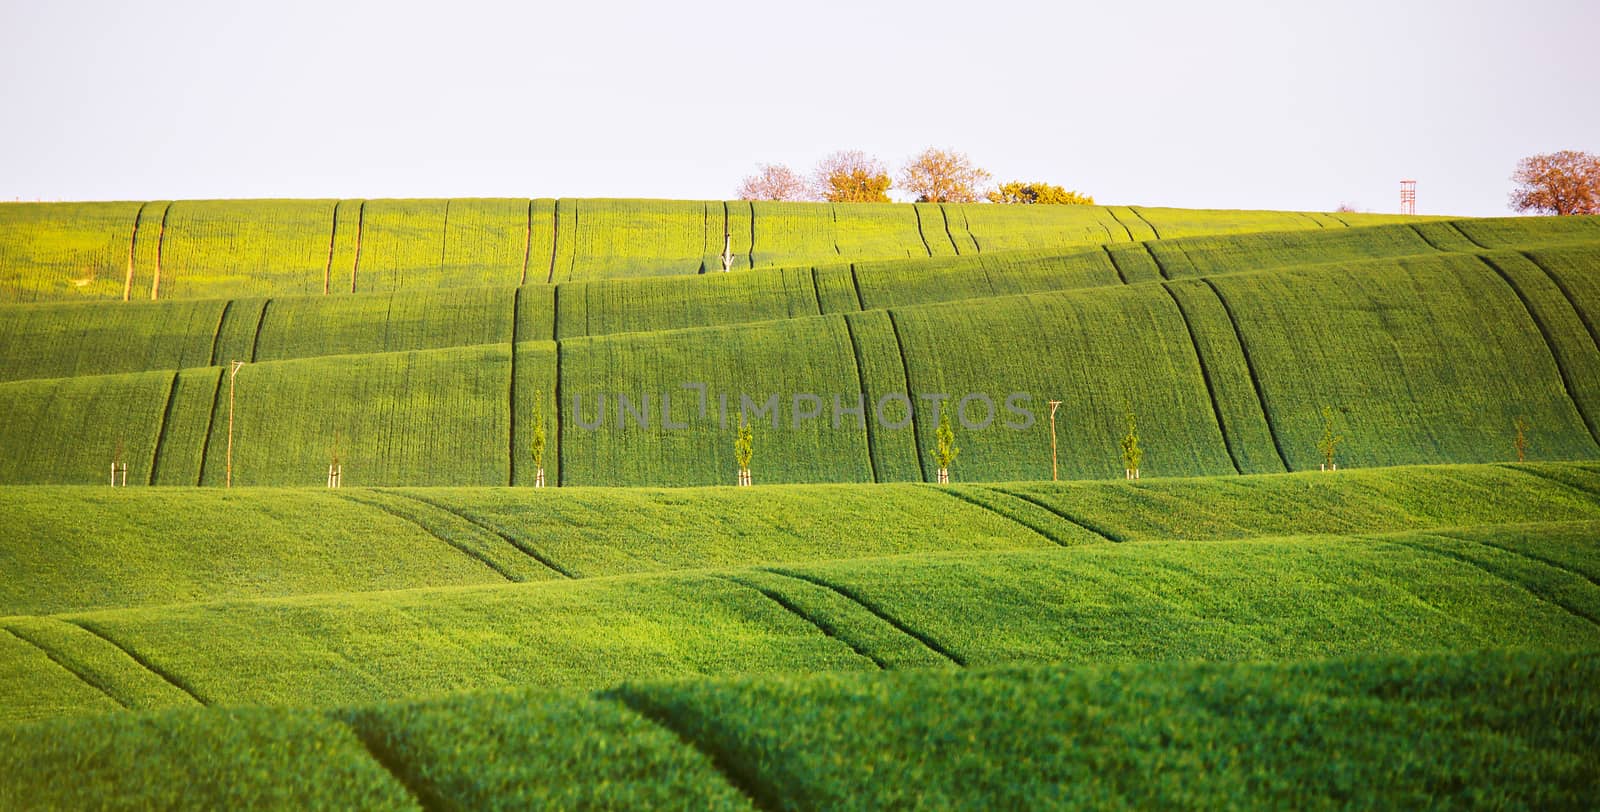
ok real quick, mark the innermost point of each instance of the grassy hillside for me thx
(1274, 598)
(1365, 731)
(238, 248)
(93, 548)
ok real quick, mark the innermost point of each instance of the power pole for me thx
(1054, 404)
(233, 372)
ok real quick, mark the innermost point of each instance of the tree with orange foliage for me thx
(943, 176)
(1565, 182)
(850, 176)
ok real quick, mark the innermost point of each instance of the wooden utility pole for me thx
(1054, 404)
(233, 372)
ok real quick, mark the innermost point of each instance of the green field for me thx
(1235, 628)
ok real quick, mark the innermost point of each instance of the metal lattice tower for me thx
(1408, 197)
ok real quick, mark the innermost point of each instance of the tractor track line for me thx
(1114, 266)
(1140, 215)
(410, 520)
(932, 644)
(133, 245)
(136, 657)
(1086, 525)
(211, 425)
(1205, 374)
(861, 382)
(526, 550)
(333, 238)
(740, 777)
(821, 625)
(1250, 367)
(1499, 576)
(379, 752)
(1549, 345)
(161, 430)
(954, 494)
(67, 667)
(905, 370)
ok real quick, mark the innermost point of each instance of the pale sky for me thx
(1273, 105)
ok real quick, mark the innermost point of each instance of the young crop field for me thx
(1052, 506)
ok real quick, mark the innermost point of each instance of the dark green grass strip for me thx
(932, 644)
(84, 678)
(816, 290)
(821, 624)
(466, 551)
(1014, 519)
(1205, 373)
(161, 431)
(916, 210)
(211, 425)
(1083, 523)
(255, 342)
(511, 397)
(378, 749)
(1594, 333)
(133, 247)
(744, 777)
(1538, 594)
(216, 335)
(1113, 261)
(1111, 210)
(752, 260)
(1464, 235)
(526, 550)
(555, 241)
(444, 235)
(905, 369)
(1550, 345)
(967, 224)
(138, 658)
(861, 384)
(1250, 366)
(161, 247)
(1341, 220)
(1140, 215)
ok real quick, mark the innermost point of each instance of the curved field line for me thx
(1140, 215)
(526, 550)
(1524, 554)
(926, 640)
(924, 237)
(820, 624)
(739, 776)
(161, 431)
(424, 528)
(216, 335)
(1250, 366)
(426, 798)
(62, 663)
(1013, 519)
(136, 657)
(1083, 523)
(333, 237)
(511, 397)
(161, 245)
(1549, 345)
(1594, 333)
(1205, 374)
(133, 244)
(905, 370)
(1495, 573)
(1114, 266)
(861, 383)
(945, 216)
(1113, 212)
(211, 425)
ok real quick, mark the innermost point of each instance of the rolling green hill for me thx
(1234, 628)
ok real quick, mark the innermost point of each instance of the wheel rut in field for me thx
(1205, 374)
(1550, 346)
(1017, 520)
(464, 550)
(861, 384)
(1250, 367)
(742, 776)
(926, 640)
(1083, 523)
(526, 549)
(379, 751)
(1540, 595)
(161, 430)
(69, 667)
(820, 624)
(143, 662)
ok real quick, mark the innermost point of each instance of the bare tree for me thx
(943, 176)
(850, 176)
(774, 182)
(1565, 182)
(1345, 208)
